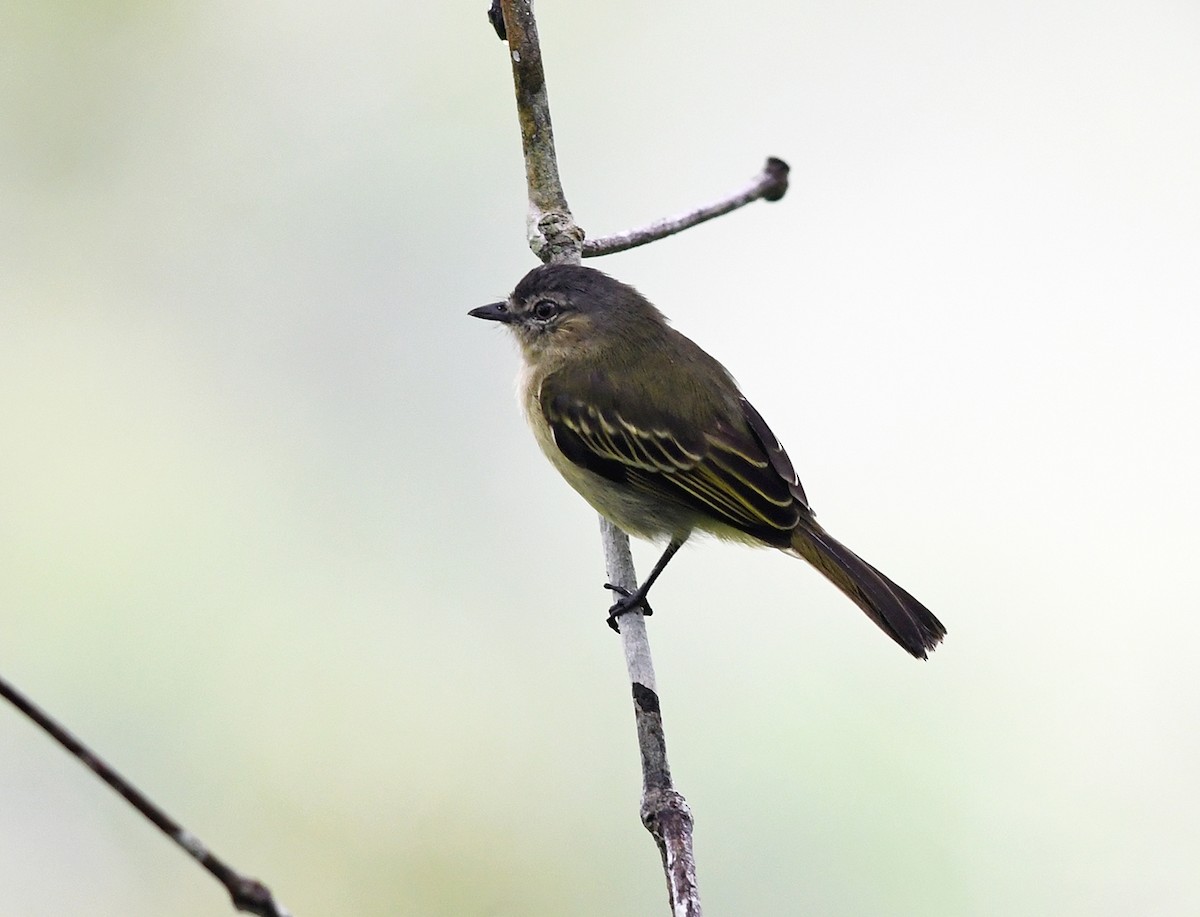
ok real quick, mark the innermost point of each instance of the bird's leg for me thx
(631, 600)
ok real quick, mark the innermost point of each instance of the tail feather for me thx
(897, 613)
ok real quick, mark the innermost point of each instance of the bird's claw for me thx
(624, 605)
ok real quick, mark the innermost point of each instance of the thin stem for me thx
(248, 895)
(618, 566)
(769, 185)
(552, 232)
(553, 236)
(664, 811)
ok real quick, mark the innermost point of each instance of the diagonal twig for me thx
(769, 185)
(248, 895)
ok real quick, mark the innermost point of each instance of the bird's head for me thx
(561, 310)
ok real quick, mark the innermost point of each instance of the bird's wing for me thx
(733, 470)
(775, 452)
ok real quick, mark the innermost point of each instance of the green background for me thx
(274, 538)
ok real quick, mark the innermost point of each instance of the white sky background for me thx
(274, 538)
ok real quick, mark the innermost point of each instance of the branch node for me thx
(555, 236)
(665, 810)
(667, 817)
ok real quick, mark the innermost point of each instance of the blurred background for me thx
(274, 537)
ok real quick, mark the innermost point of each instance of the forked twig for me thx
(555, 237)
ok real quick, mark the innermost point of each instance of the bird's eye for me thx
(545, 309)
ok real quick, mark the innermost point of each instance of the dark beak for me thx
(494, 312)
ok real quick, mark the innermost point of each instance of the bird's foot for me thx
(628, 602)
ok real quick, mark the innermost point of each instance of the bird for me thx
(656, 435)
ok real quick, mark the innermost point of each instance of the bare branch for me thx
(769, 185)
(552, 232)
(664, 811)
(248, 895)
(666, 815)
(554, 236)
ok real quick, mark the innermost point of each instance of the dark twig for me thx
(769, 185)
(496, 18)
(248, 895)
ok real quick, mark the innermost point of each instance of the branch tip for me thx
(252, 897)
(496, 18)
(777, 171)
(557, 238)
(770, 184)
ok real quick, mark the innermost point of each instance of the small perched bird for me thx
(655, 434)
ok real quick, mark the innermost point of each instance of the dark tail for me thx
(897, 613)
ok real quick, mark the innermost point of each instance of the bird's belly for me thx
(655, 518)
(652, 519)
(629, 510)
